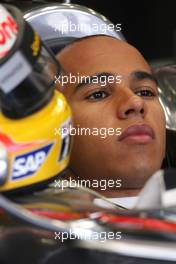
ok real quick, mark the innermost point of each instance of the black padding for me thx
(171, 147)
(170, 178)
(170, 159)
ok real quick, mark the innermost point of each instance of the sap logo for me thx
(27, 164)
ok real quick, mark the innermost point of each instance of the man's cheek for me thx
(160, 128)
(156, 114)
(161, 123)
(160, 111)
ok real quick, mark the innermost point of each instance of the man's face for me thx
(133, 104)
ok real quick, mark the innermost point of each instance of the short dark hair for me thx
(56, 45)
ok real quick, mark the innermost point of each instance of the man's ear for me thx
(58, 79)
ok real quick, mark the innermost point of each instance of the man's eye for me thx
(97, 95)
(145, 93)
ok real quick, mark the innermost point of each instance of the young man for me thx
(130, 104)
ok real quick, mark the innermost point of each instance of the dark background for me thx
(148, 25)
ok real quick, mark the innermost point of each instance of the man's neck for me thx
(111, 193)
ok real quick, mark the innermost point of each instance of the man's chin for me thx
(137, 177)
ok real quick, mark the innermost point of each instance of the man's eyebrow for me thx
(142, 75)
(89, 79)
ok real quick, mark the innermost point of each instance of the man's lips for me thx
(138, 133)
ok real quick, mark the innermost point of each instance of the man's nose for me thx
(133, 106)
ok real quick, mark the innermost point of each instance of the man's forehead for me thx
(102, 54)
(98, 50)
